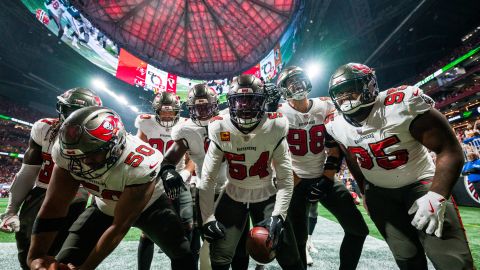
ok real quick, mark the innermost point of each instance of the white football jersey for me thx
(56, 7)
(158, 137)
(386, 152)
(197, 140)
(306, 137)
(138, 164)
(249, 163)
(41, 134)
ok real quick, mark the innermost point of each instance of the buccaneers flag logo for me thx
(107, 129)
(361, 68)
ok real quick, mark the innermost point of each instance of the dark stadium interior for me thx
(407, 42)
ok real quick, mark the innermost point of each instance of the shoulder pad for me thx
(49, 121)
(145, 116)
(215, 118)
(324, 98)
(274, 115)
(330, 116)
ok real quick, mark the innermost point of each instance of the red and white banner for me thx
(255, 71)
(172, 83)
(131, 69)
(156, 79)
(278, 57)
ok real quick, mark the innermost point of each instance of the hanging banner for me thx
(267, 67)
(156, 79)
(278, 57)
(255, 71)
(131, 69)
(172, 83)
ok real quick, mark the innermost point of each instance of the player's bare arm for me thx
(128, 208)
(433, 131)
(176, 152)
(52, 214)
(33, 155)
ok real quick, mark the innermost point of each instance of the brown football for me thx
(258, 246)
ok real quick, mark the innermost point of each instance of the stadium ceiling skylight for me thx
(198, 39)
(206, 39)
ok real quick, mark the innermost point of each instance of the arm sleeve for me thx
(36, 133)
(137, 122)
(23, 183)
(283, 169)
(206, 184)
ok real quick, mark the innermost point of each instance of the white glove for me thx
(9, 223)
(430, 209)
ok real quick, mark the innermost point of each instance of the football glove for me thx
(274, 225)
(429, 209)
(172, 181)
(319, 189)
(213, 231)
(10, 223)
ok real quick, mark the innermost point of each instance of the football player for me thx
(314, 169)
(31, 182)
(156, 130)
(387, 136)
(55, 10)
(191, 137)
(250, 141)
(120, 170)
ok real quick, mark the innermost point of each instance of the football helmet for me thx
(167, 109)
(202, 104)
(246, 101)
(74, 99)
(92, 139)
(294, 83)
(352, 87)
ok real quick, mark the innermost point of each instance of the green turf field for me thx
(470, 217)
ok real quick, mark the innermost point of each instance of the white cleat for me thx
(310, 247)
(309, 258)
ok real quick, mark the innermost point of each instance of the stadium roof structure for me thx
(198, 39)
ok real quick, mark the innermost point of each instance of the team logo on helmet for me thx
(357, 68)
(98, 100)
(107, 129)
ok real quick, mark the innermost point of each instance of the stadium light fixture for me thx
(99, 83)
(313, 70)
(134, 109)
(122, 100)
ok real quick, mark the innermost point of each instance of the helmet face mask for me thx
(92, 165)
(167, 116)
(353, 87)
(202, 104)
(248, 110)
(92, 139)
(246, 102)
(167, 109)
(296, 88)
(294, 83)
